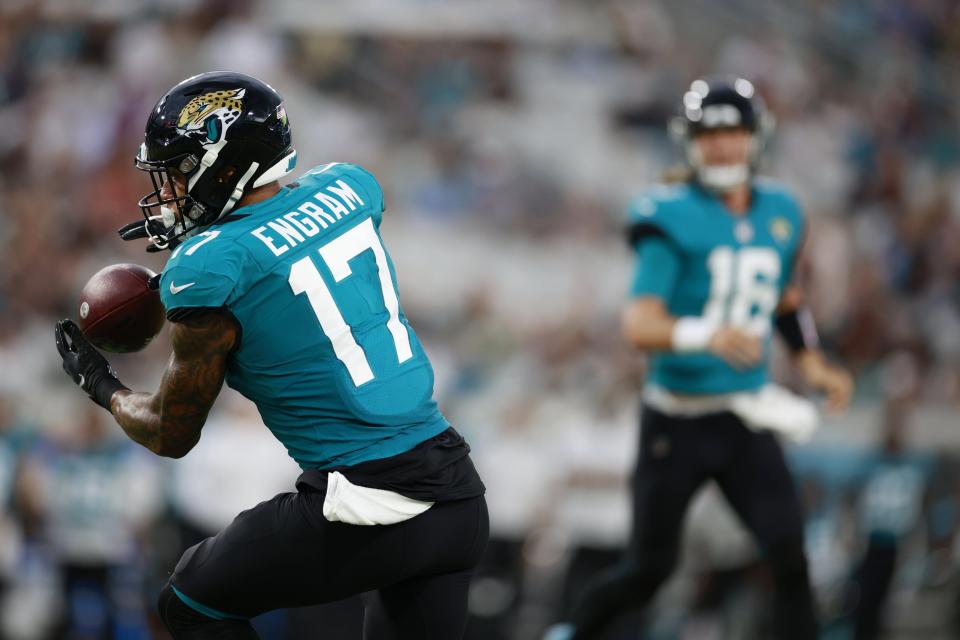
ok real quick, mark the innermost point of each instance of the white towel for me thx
(353, 504)
(770, 407)
(777, 409)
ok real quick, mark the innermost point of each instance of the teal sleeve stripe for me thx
(207, 611)
(658, 267)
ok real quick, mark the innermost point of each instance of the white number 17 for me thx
(305, 278)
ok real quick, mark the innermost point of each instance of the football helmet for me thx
(221, 134)
(725, 103)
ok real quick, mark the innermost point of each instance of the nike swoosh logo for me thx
(174, 289)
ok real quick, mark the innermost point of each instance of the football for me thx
(118, 311)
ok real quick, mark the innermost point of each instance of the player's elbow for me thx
(645, 324)
(175, 447)
(632, 335)
(631, 328)
(635, 330)
(174, 450)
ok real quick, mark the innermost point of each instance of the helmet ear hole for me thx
(226, 174)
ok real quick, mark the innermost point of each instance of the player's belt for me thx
(675, 404)
(769, 408)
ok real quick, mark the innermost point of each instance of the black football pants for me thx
(677, 455)
(284, 553)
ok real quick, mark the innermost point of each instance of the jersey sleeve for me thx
(651, 214)
(657, 268)
(651, 234)
(183, 286)
(203, 272)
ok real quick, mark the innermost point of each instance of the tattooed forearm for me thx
(168, 422)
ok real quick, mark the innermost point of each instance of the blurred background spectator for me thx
(508, 136)
(87, 496)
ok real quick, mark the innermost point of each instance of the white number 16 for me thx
(305, 278)
(741, 281)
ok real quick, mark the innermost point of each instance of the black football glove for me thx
(85, 365)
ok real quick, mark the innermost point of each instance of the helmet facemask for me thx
(168, 221)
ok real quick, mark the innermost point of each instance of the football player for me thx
(288, 295)
(715, 257)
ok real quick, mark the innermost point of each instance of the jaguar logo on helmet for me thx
(220, 134)
(210, 115)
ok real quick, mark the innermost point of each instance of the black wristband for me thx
(102, 390)
(798, 330)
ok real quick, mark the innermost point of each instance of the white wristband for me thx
(691, 334)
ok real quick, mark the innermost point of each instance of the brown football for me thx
(118, 310)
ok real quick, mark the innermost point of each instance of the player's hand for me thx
(740, 349)
(85, 365)
(834, 381)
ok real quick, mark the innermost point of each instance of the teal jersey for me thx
(702, 260)
(326, 352)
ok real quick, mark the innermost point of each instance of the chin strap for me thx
(206, 161)
(238, 190)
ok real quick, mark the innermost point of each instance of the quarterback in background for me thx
(715, 258)
(288, 295)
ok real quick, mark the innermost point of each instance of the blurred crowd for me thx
(509, 137)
